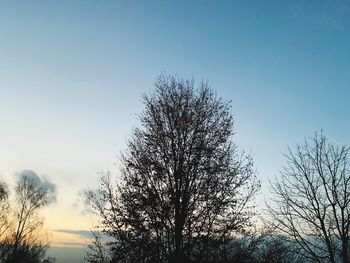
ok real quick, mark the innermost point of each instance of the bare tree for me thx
(311, 200)
(4, 209)
(30, 198)
(97, 251)
(183, 182)
(3, 190)
(4, 217)
(25, 241)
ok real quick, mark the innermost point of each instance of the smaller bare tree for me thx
(98, 250)
(23, 238)
(4, 218)
(4, 209)
(311, 200)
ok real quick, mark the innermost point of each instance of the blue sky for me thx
(72, 74)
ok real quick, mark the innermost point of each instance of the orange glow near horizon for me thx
(64, 226)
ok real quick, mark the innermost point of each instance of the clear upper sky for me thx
(72, 74)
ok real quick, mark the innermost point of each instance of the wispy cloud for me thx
(84, 203)
(80, 233)
(69, 244)
(41, 183)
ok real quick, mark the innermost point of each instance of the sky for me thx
(72, 74)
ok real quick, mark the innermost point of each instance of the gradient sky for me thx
(72, 74)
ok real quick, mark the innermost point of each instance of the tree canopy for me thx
(185, 186)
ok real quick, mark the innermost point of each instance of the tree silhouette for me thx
(97, 251)
(311, 200)
(23, 239)
(4, 216)
(184, 184)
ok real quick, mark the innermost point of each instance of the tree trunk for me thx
(178, 232)
(178, 244)
(345, 250)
